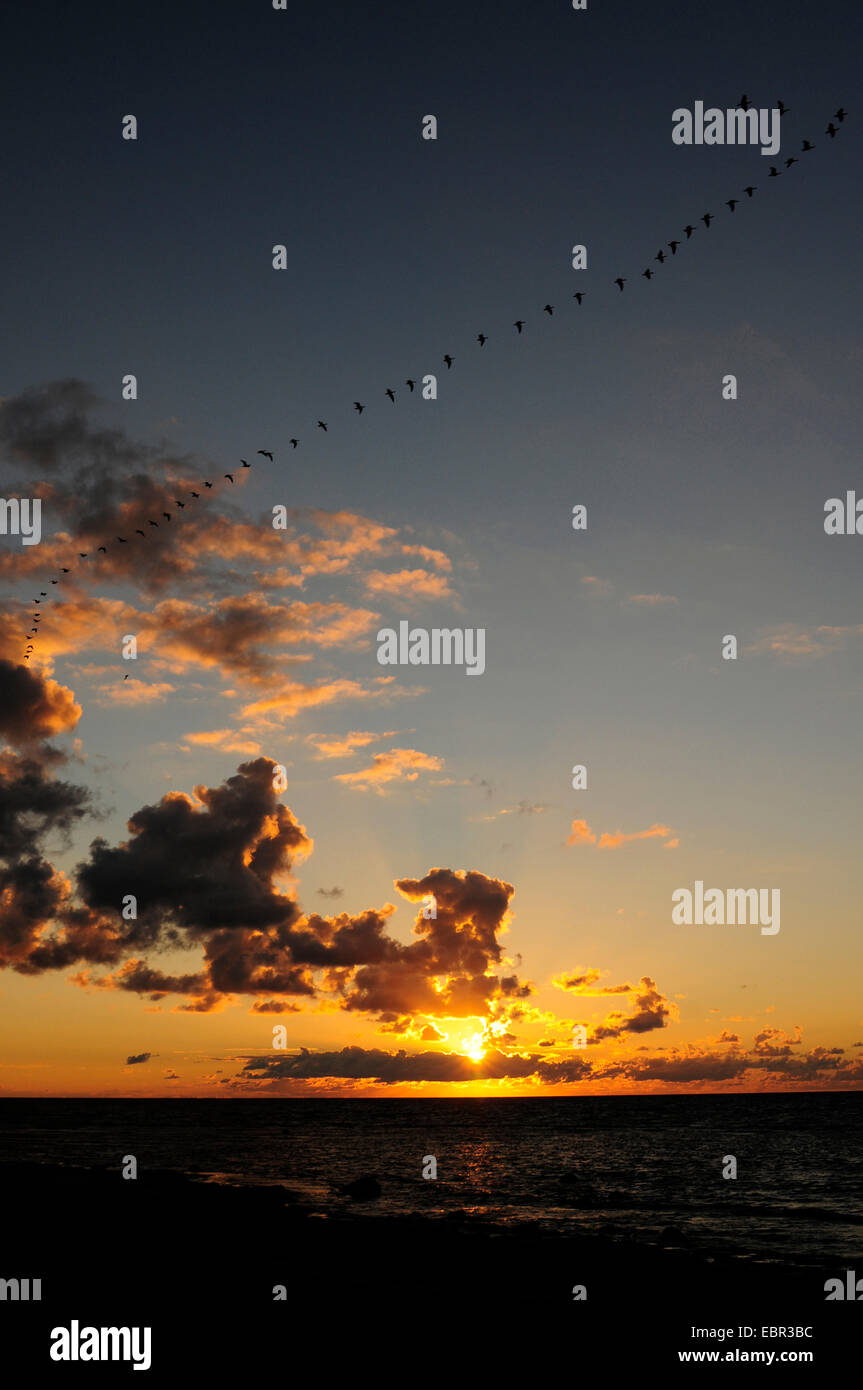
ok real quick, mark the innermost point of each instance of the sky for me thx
(302, 906)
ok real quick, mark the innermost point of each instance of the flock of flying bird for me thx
(519, 324)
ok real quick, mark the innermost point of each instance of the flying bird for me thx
(358, 408)
(791, 160)
(104, 549)
(37, 600)
(782, 108)
(265, 453)
(321, 425)
(166, 515)
(579, 295)
(840, 114)
(126, 677)
(154, 523)
(648, 274)
(392, 395)
(122, 540)
(481, 339)
(82, 554)
(807, 146)
(245, 465)
(707, 219)
(294, 443)
(750, 190)
(206, 484)
(182, 505)
(195, 494)
(732, 203)
(620, 282)
(831, 131)
(548, 309)
(774, 172)
(65, 571)
(449, 360)
(674, 245)
(55, 581)
(660, 256)
(689, 230)
(410, 383)
(744, 102)
(229, 477)
(519, 324)
(139, 533)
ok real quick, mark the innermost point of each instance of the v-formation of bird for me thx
(519, 325)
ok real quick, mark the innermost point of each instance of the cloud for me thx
(408, 584)
(345, 745)
(226, 741)
(581, 834)
(651, 600)
(792, 642)
(334, 892)
(586, 983)
(396, 765)
(33, 708)
(139, 1057)
(595, 585)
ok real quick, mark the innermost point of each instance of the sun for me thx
(474, 1047)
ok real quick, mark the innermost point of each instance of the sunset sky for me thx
(256, 646)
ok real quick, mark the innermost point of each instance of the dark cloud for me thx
(33, 708)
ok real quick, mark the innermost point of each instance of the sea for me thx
(645, 1169)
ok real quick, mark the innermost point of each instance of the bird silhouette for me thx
(579, 295)
(55, 581)
(774, 172)
(122, 540)
(782, 108)
(126, 677)
(139, 533)
(195, 494)
(732, 203)
(744, 102)
(707, 219)
(660, 256)
(206, 484)
(265, 453)
(481, 339)
(449, 360)
(246, 465)
(155, 523)
(358, 408)
(620, 282)
(791, 160)
(648, 274)
(43, 593)
(392, 395)
(410, 384)
(807, 146)
(228, 476)
(750, 190)
(321, 425)
(689, 230)
(104, 549)
(182, 505)
(548, 309)
(37, 600)
(167, 515)
(674, 245)
(519, 324)
(293, 443)
(840, 114)
(82, 554)
(831, 131)
(65, 571)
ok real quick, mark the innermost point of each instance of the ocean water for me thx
(627, 1168)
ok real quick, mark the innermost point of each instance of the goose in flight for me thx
(391, 393)
(410, 384)
(519, 324)
(229, 477)
(620, 282)
(321, 425)
(481, 339)
(358, 408)
(674, 245)
(689, 230)
(293, 443)
(548, 309)
(449, 360)
(265, 453)
(750, 190)
(579, 295)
